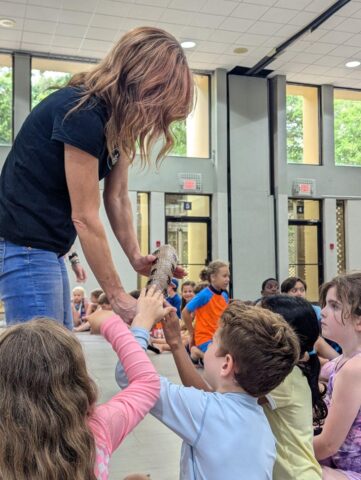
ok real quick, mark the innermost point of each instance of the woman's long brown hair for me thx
(46, 396)
(146, 85)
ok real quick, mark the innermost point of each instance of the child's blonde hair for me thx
(348, 292)
(263, 346)
(79, 290)
(214, 267)
(46, 396)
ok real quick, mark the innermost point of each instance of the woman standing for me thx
(49, 186)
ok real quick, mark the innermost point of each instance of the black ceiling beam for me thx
(311, 27)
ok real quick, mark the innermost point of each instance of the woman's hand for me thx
(150, 308)
(143, 266)
(125, 306)
(79, 271)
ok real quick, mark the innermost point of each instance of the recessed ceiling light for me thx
(353, 64)
(240, 50)
(188, 44)
(7, 22)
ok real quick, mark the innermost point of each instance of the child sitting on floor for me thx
(225, 433)
(206, 308)
(297, 405)
(338, 447)
(50, 425)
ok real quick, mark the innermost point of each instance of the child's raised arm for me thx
(344, 407)
(114, 419)
(185, 367)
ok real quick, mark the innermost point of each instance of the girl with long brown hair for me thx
(80, 134)
(50, 427)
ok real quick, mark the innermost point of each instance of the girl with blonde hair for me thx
(80, 134)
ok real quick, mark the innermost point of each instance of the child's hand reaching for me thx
(172, 331)
(97, 318)
(150, 308)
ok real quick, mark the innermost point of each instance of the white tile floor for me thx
(151, 447)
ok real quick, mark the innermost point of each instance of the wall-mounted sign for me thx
(304, 187)
(190, 182)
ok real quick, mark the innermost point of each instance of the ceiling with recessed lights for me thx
(88, 28)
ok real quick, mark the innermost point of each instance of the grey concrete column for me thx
(22, 89)
(157, 219)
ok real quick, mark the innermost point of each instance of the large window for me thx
(192, 135)
(143, 229)
(347, 114)
(6, 99)
(302, 121)
(49, 75)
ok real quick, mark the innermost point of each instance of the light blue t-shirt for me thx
(225, 435)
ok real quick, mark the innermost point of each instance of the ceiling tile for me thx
(280, 15)
(38, 26)
(9, 9)
(355, 40)
(42, 13)
(11, 44)
(250, 39)
(350, 9)
(80, 5)
(222, 36)
(190, 5)
(219, 7)
(301, 19)
(71, 42)
(45, 3)
(268, 3)
(191, 33)
(249, 11)
(329, 61)
(38, 38)
(35, 47)
(64, 51)
(96, 45)
(318, 6)
(106, 21)
(335, 37)
(211, 47)
(106, 34)
(157, 3)
(306, 57)
(108, 7)
(236, 24)
(350, 25)
(296, 5)
(76, 18)
(322, 48)
(345, 51)
(176, 16)
(68, 29)
(204, 20)
(10, 35)
(267, 28)
(203, 57)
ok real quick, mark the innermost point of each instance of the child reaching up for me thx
(225, 432)
(207, 307)
(339, 444)
(50, 425)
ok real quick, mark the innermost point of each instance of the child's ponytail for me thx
(311, 370)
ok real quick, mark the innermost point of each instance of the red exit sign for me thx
(189, 184)
(305, 188)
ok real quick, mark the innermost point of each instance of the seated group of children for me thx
(257, 412)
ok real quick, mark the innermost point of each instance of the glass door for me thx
(305, 255)
(191, 239)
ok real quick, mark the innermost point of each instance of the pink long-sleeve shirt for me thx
(112, 421)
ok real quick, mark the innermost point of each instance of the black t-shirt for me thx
(35, 206)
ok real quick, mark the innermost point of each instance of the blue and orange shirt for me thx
(208, 306)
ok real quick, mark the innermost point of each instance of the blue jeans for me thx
(33, 282)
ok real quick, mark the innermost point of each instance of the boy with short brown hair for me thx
(225, 432)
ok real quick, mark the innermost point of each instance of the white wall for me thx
(353, 234)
